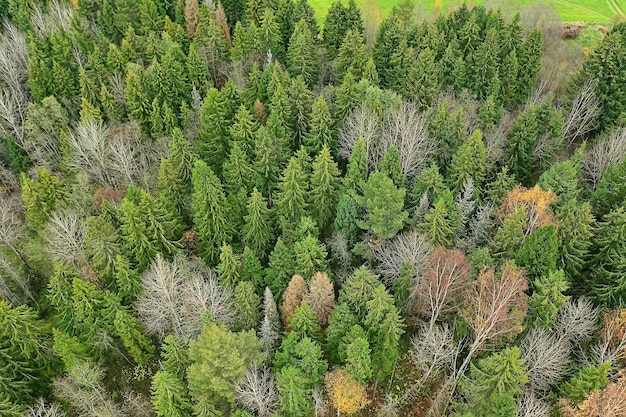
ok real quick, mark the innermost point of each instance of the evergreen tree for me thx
(352, 57)
(169, 396)
(304, 323)
(175, 356)
(235, 10)
(438, 225)
(340, 323)
(358, 360)
(563, 177)
(358, 290)
(575, 232)
(210, 210)
(251, 269)
(320, 128)
(269, 153)
(213, 134)
(335, 28)
(289, 201)
(609, 264)
(383, 203)
(127, 280)
(310, 256)
(136, 343)
(548, 298)
(469, 161)
(484, 65)
(391, 166)
(302, 54)
(294, 397)
(229, 267)
(257, 230)
(586, 380)
(248, 305)
(349, 214)
(300, 101)
(325, 187)
(280, 268)
(41, 197)
(243, 130)
(102, 245)
(539, 253)
(237, 170)
(510, 236)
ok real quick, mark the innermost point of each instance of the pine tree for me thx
(209, 206)
(325, 186)
(383, 203)
(290, 201)
(280, 268)
(469, 161)
(169, 396)
(548, 298)
(320, 128)
(248, 305)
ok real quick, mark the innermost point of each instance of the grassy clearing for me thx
(589, 11)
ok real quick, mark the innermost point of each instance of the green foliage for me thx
(438, 225)
(383, 203)
(548, 298)
(294, 397)
(358, 360)
(304, 323)
(310, 256)
(103, 245)
(321, 133)
(358, 290)
(585, 381)
(609, 262)
(280, 268)
(169, 396)
(136, 343)
(575, 232)
(219, 360)
(248, 305)
(539, 253)
(41, 197)
(302, 54)
(469, 161)
(289, 201)
(391, 166)
(175, 356)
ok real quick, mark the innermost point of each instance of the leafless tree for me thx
(611, 345)
(42, 408)
(547, 359)
(444, 279)
(320, 404)
(13, 284)
(576, 321)
(585, 109)
(495, 142)
(480, 228)
(175, 295)
(406, 128)
(268, 337)
(257, 391)
(389, 407)
(89, 151)
(604, 153)
(58, 16)
(465, 205)
(339, 248)
(364, 124)
(12, 224)
(433, 349)
(530, 406)
(137, 405)
(391, 256)
(65, 237)
(82, 388)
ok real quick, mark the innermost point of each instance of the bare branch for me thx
(362, 124)
(604, 153)
(547, 359)
(65, 237)
(585, 109)
(409, 248)
(576, 321)
(257, 392)
(41, 408)
(529, 406)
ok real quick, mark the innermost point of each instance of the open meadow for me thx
(587, 11)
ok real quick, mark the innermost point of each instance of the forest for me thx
(233, 209)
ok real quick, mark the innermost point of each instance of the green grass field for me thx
(588, 11)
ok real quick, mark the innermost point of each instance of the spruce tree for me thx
(383, 203)
(102, 245)
(304, 323)
(237, 171)
(352, 57)
(289, 201)
(302, 54)
(257, 230)
(539, 253)
(280, 268)
(300, 101)
(127, 280)
(575, 232)
(169, 397)
(243, 130)
(134, 340)
(585, 381)
(325, 188)
(41, 197)
(269, 154)
(175, 356)
(209, 205)
(469, 161)
(213, 135)
(438, 225)
(548, 298)
(358, 360)
(391, 166)
(310, 256)
(229, 267)
(248, 305)
(609, 263)
(320, 128)
(251, 269)
(294, 397)
(358, 290)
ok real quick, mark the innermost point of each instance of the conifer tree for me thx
(352, 57)
(357, 173)
(339, 324)
(169, 396)
(127, 280)
(248, 305)
(237, 171)
(304, 323)
(229, 267)
(423, 82)
(243, 130)
(335, 28)
(289, 202)
(270, 151)
(586, 380)
(358, 360)
(548, 298)
(171, 189)
(320, 128)
(539, 253)
(134, 340)
(302, 54)
(391, 166)
(438, 225)
(321, 297)
(41, 196)
(469, 161)
(609, 270)
(257, 230)
(484, 65)
(175, 356)
(310, 256)
(300, 101)
(271, 39)
(294, 397)
(213, 134)
(325, 186)
(103, 245)
(251, 269)
(510, 236)
(575, 232)
(383, 203)
(280, 268)
(292, 298)
(358, 290)
(209, 205)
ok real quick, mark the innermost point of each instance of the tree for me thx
(321, 132)
(280, 268)
(294, 396)
(321, 297)
(219, 361)
(539, 252)
(501, 373)
(290, 200)
(304, 323)
(444, 278)
(175, 356)
(585, 381)
(547, 358)
(136, 343)
(257, 230)
(469, 161)
(213, 134)
(302, 54)
(383, 203)
(608, 276)
(41, 197)
(169, 395)
(346, 394)
(358, 360)
(340, 323)
(352, 56)
(209, 206)
(248, 305)
(385, 326)
(310, 256)
(300, 101)
(103, 245)
(439, 225)
(127, 280)
(243, 130)
(294, 294)
(325, 188)
(548, 298)
(257, 392)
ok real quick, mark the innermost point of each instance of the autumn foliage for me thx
(346, 395)
(537, 203)
(292, 298)
(608, 402)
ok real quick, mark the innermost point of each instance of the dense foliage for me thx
(216, 209)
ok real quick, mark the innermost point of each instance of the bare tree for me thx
(496, 141)
(530, 406)
(444, 278)
(480, 228)
(12, 224)
(137, 405)
(176, 294)
(406, 128)
(320, 403)
(583, 114)
(389, 407)
(42, 408)
(268, 337)
(89, 151)
(604, 153)
(611, 345)
(392, 255)
(433, 349)
(547, 359)
(364, 124)
(465, 205)
(58, 16)
(576, 321)
(257, 391)
(65, 237)
(271, 310)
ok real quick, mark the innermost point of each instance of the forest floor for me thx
(587, 11)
